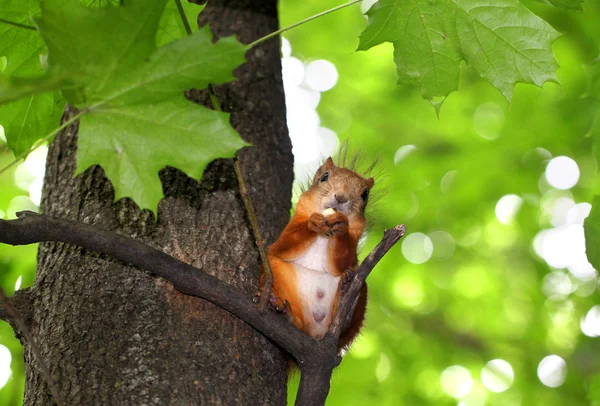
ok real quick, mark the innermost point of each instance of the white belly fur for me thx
(316, 286)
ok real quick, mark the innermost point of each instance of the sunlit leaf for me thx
(136, 119)
(502, 41)
(30, 119)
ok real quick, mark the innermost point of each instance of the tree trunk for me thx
(110, 333)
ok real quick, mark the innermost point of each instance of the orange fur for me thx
(314, 251)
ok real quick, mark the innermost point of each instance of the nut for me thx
(328, 212)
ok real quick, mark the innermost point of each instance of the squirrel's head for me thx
(340, 189)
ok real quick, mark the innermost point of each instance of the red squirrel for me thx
(316, 252)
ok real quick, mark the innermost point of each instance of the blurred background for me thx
(489, 299)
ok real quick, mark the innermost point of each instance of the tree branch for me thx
(316, 358)
(31, 228)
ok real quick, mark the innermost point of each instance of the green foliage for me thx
(136, 120)
(483, 297)
(34, 116)
(501, 40)
(180, 136)
(571, 5)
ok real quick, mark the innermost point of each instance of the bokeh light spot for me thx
(590, 324)
(365, 345)
(403, 152)
(488, 120)
(286, 48)
(408, 291)
(2, 135)
(443, 244)
(384, 367)
(292, 70)
(321, 75)
(561, 247)
(497, 375)
(557, 285)
(447, 180)
(562, 172)
(365, 5)
(552, 371)
(417, 248)
(18, 283)
(5, 360)
(578, 213)
(456, 381)
(507, 207)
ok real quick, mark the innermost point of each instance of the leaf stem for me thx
(27, 27)
(186, 23)
(289, 27)
(260, 242)
(43, 140)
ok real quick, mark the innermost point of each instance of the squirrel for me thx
(315, 255)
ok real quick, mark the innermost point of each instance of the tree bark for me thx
(110, 333)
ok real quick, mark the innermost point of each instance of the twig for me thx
(289, 27)
(316, 358)
(17, 318)
(348, 302)
(184, 20)
(260, 242)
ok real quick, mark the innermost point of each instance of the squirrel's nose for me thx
(341, 198)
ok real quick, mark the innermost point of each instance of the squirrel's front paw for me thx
(338, 223)
(318, 223)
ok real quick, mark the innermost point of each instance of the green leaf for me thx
(501, 40)
(171, 27)
(98, 43)
(592, 234)
(14, 88)
(567, 5)
(191, 62)
(30, 119)
(133, 143)
(136, 119)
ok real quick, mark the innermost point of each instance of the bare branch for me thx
(31, 228)
(19, 321)
(348, 302)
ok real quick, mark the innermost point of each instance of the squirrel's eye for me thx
(365, 195)
(324, 177)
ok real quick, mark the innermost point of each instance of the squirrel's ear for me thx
(370, 182)
(328, 163)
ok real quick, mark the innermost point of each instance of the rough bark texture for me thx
(111, 334)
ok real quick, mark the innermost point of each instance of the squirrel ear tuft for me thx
(370, 182)
(328, 163)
